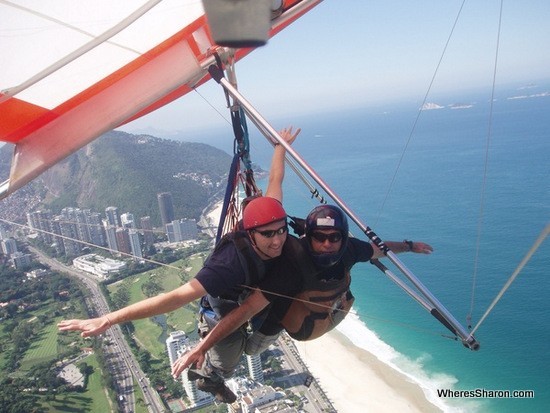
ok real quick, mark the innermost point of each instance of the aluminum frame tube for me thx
(467, 339)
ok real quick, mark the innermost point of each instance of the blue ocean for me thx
(471, 178)
(474, 182)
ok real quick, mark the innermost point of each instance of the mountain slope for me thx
(127, 171)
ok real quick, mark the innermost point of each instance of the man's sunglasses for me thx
(270, 233)
(333, 237)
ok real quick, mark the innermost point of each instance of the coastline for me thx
(354, 378)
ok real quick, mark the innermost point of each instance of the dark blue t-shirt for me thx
(224, 275)
(285, 280)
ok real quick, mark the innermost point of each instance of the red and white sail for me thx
(72, 71)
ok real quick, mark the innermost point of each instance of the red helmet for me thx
(262, 211)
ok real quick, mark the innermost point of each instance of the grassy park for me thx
(148, 332)
(31, 345)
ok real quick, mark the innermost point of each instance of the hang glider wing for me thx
(79, 69)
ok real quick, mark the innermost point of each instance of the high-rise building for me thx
(255, 367)
(79, 219)
(111, 213)
(41, 222)
(69, 236)
(97, 232)
(135, 243)
(20, 260)
(177, 344)
(170, 233)
(57, 239)
(188, 229)
(110, 234)
(166, 207)
(123, 240)
(127, 220)
(182, 230)
(148, 237)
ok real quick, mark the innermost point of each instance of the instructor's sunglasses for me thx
(270, 233)
(333, 237)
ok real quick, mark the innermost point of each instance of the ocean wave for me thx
(361, 336)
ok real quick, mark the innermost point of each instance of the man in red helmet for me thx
(240, 260)
(308, 289)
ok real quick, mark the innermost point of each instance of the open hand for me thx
(195, 356)
(90, 327)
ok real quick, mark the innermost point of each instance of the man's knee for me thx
(257, 343)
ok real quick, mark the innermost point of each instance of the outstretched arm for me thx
(403, 246)
(277, 170)
(253, 304)
(160, 304)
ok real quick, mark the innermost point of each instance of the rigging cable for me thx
(241, 150)
(162, 264)
(514, 275)
(485, 173)
(436, 71)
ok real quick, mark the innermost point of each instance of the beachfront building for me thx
(98, 265)
(260, 396)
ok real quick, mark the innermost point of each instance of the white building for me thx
(177, 344)
(255, 370)
(127, 220)
(135, 244)
(98, 265)
(259, 396)
(110, 234)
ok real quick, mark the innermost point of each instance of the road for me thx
(118, 355)
(317, 400)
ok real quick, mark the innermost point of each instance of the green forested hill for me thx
(127, 171)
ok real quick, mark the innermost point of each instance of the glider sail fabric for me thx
(79, 69)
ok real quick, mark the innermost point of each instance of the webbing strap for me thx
(231, 182)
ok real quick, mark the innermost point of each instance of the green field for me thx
(148, 333)
(48, 345)
(43, 349)
(94, 399)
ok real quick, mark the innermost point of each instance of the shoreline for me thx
(355, 380)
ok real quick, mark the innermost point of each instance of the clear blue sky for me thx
(357, 52)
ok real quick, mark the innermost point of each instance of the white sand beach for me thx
(356, 381)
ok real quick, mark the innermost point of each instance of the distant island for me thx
(431, 106)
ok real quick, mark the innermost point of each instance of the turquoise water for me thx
(436, 197)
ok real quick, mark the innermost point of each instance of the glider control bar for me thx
(439, 311)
